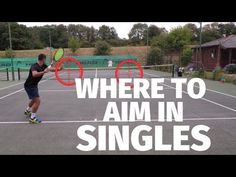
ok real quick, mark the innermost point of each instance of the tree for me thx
(20, 36)
(155, 56)
(106, 33)
(227, 29)
(154, 31)
(186, 56)
(60, 37)
(4, 37)
(195, 32)
(92, 35)
(178, 38)
(210, 32)
(35, 41)
(102, 48)
(81, 32)
(73, 44)
(161, 42)
(58, 33)
(137, 33)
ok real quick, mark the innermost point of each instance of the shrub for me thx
(9, 53)
(85, 44)
(217, 72)
(199, 74)
(155, 56)
(209, 75)
(186, 56)
(102, 48)
(73, 44)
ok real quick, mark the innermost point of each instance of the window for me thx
(213, 53)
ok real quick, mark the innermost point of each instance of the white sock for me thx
(28, 108)
(33, 115)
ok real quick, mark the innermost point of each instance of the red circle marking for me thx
(59, 64)
(139, 66)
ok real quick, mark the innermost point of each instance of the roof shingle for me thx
(225, 42)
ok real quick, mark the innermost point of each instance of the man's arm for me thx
(53, 69)
(38, 74)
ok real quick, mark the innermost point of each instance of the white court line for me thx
(198, 87)
(3, 88)
(219, 92)
(101, 121)
(218, 104)
(17, 91)
(11, 86)
(67, 90)
(13, 93)
(55, 90)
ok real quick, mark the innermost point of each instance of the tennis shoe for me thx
(27, 113)
(34, 120)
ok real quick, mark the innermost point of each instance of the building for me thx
(219, 52)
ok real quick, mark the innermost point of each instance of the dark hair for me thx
(41, 57)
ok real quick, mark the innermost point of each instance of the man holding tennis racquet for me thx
(36, 72)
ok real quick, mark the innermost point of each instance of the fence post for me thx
(18, 73)
(7, 74)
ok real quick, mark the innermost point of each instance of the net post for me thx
(7, 74)
(18, 70)
(173, 70)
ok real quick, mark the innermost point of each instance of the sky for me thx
(122, 28)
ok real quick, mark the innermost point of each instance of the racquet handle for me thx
(50, 65)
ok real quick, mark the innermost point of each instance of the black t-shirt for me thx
(33, 81)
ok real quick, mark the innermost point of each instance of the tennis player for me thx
(110, 63)
(36, 72)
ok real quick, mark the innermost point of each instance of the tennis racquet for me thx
(58, 55)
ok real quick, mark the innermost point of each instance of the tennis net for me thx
(4, 74)
(67, 73)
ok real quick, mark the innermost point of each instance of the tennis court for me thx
(62, 113)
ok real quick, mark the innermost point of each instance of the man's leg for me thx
(31, 103)
(29, 108)
(35, 106)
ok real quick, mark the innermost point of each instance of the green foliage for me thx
(9, 53)
(155, 56)
(160, 42)
(211, 32)
(195, 32)
(186, 56)
(209, 75)
(154, 31)
(137, 33)
(217, 72)
(178, 38)
(106, 33)
(117, 42)
(38, 37)
(73, 44)
(102, 48)
(227, 29)
(85, 44)
(198, 74)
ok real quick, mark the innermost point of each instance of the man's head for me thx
(42, 58)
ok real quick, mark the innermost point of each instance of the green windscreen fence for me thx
(86, 61)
